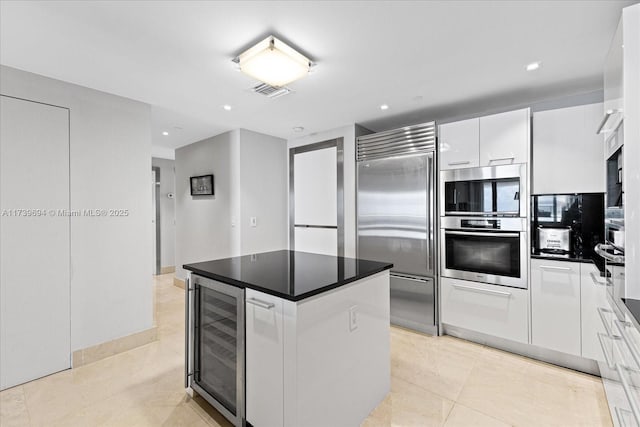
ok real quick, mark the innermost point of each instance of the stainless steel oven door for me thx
(495, 257)
(217, 359)
(485, 191)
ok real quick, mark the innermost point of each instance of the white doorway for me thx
(35, 267)
(155, 220)
(316, 203)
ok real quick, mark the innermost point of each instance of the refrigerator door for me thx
(395, 212)
(413, 303)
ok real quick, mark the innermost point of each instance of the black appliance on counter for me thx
(567, 225)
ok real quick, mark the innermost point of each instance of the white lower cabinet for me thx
(555, 305)
(593, 300)
(489, 309)
(264, 359)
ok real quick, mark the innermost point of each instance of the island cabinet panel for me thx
(593, 297)
(490, 309)
(555, 305)
(459, 144)
(337, 354)
(504, 138)
(264, 359)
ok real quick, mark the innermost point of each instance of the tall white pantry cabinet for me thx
(35, 274)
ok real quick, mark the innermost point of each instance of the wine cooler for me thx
(215, 345)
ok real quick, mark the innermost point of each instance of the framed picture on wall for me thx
(202, 185)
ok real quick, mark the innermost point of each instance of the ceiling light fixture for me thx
(384, 107)
(298, 129)
(273, 62)
(165, 133)
(227, 107)
(533, 66)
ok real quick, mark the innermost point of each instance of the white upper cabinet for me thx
(567, 152)
(459, 144)
(504, 138)
(499, 139)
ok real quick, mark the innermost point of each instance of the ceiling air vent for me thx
(271, 91)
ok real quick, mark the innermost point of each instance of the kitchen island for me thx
(289, 338)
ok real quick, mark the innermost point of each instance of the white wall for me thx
(631, 169)
(264, 189)
(203, 223)
(249, 180)
(167, 211)
(110, 160)
(349, 134)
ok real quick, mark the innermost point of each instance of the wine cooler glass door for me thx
(219, 346)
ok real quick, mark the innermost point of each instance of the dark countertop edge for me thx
(297, 298)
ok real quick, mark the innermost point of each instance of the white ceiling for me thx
(424, 59)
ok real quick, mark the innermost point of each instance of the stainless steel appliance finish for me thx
(553, 239)
(488, 250)
(485, 191)
(215, 366)
(396, 218)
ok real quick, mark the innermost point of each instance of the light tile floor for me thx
(435, 381)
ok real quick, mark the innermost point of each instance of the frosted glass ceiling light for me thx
(273, 62)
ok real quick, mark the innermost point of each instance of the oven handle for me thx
(465, 213)
(481, 234)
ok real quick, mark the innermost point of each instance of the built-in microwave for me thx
(485, 191)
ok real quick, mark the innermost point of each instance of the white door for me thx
(34, 248)
(315, 199)
(504, 138)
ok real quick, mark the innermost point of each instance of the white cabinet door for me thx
(34, 248)
(493, 310)
(264, 359)
(555, 305)
(567, 152)
(459, 144)
(593, 297)
(504, 138)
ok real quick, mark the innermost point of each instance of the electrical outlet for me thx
(253, 221)
(353, 318)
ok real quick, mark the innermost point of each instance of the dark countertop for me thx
(291, 275)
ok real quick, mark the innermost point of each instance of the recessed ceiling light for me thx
(533, 66)
(165, 133)
(298, 129)
(384, 107)
(273, 62)
(227, 107)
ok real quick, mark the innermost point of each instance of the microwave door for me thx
(395, 218)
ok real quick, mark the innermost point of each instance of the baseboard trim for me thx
(167, 270)
(106, 349)
(178, 282)
(569, 361)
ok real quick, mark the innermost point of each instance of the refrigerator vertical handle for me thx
(430, 214)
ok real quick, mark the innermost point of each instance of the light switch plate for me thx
(353, 318)
(253, 221)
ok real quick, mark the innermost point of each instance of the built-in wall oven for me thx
(490, 250)
(484, 224)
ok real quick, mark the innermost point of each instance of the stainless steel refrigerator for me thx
(396, 218)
